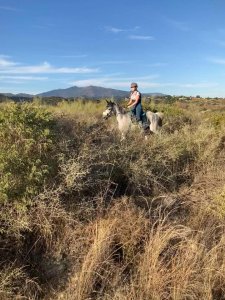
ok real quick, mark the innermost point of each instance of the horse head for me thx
(110, 109)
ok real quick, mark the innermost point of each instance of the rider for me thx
(135, 103)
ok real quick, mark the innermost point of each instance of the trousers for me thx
(137, 111)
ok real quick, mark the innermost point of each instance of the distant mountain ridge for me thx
(87, 92)
(22, 95)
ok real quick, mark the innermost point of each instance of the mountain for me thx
(89, 92)
(22, 95)
(75, 92)
(16, 97)
(7, 94)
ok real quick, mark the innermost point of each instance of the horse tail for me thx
(161, 115)
(155, 120)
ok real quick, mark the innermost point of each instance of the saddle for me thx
(144, 120)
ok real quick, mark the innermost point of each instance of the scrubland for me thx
(85, 216)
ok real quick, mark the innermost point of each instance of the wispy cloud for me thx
(73, 56)
(124, 84)
(221, 31)
(115, 62)
(218, 61)
(4, 56)
(157, 64)
(5, 62)
(221, 43)
(141, 37)
(145, 82)
(199, 85)
(10, 67)
(43, 25)
(130, 31)
(114, 29)
(22, 78)
(91, 81)
(4, 89)
(116, 82)
(9, 8)
(40, 26)
(180, 25)
(217, 42)
(119, 30)
(18, 89)
(146, 77)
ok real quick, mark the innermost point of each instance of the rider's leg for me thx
(133, 113)
(139, 112)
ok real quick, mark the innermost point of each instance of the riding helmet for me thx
(133, 84)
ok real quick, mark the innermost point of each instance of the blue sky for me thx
(169, 46)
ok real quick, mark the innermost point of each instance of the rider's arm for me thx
(129, 103)
(137, 97)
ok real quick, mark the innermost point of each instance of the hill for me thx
(89, 91)
(75, 92)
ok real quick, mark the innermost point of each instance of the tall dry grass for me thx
(137, 220)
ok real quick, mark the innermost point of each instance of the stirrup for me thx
(133, 119)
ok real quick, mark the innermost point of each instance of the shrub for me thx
(87, 216)
(27, 145)
(28, 160)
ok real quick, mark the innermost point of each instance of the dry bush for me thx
(156, 266)
(40, 249)
(14, 283)
(94, 268)
(175, 265)
(111, 254)
(133, 220)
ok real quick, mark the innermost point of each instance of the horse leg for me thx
(122, 137)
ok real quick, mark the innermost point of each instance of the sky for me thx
(175, 47)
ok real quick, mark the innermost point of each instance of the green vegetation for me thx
(27, 141)
(84, 216)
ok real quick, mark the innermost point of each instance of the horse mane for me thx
(121, 109)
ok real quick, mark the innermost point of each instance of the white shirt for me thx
(134, 95)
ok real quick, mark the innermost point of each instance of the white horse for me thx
(124, 119)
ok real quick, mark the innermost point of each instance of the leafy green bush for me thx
(27, 152)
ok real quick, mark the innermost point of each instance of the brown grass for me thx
(139, 220)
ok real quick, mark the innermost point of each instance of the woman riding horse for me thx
(135, 103)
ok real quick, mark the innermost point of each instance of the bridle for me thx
(109, 113)
(111, 110)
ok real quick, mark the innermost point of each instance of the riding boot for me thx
(140, 124)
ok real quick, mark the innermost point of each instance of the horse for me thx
(152, 125)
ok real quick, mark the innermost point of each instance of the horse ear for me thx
(106, 101)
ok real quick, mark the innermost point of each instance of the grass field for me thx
(84, 216)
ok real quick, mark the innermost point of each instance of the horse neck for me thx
(117, 110)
